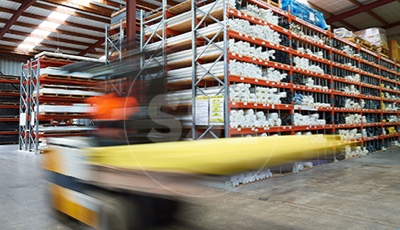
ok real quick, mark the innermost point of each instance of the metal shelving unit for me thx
(198, 63)
(9, 104)
(52, 101)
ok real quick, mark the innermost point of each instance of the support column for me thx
(131, 22)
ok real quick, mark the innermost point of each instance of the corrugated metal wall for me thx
(10, 67)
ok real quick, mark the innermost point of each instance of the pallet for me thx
(276, 3)
(69, 77)
(64, 95)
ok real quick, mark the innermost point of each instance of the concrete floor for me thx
(360, 193)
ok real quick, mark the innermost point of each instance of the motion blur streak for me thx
(216, 156)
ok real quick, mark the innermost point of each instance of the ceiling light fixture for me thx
(42, 31)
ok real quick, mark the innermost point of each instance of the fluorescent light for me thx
(38, 35)
(33, 40)
(58, 16)
(47, 24)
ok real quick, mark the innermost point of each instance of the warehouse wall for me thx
(10, 67)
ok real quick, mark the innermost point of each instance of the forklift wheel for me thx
(119, 214)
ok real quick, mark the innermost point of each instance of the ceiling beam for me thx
(171, 3)
(50, 38)
(327, 14)
(79, 14)
(59, 31)
(14, 56)
(392, 25)
(94, 9)
(44, 18)
(148, 5)
(370, 12)
(14, 18)
(358, 10)
(92, 47)
(18, 41)
(110, 3)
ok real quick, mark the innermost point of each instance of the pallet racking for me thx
(52, 101)
(343, 78)
(9, 105)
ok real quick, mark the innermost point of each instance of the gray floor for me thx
(360, 193)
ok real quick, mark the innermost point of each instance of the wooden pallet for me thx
(63, 95)
(276, 3)
(69, 77)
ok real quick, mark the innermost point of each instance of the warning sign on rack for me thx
(202, 114)
(217, 110)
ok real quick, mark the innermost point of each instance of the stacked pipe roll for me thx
(248, 119)
(248, 177)
(356, 152)
(261, 13)
(304, 63)
(306, 120)
(245, 69)
(347, 135)
(355, 119)
(244, 48)
(184, 97)
(258, 31)
(182, 74)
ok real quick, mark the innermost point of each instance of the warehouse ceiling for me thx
(77, 27)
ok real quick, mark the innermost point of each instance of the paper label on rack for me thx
(22, 119)
(33, 118)
(202, 110)
(217, 110)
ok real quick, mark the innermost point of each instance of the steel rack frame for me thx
(200, 71)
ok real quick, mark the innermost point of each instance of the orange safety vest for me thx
(112, 107)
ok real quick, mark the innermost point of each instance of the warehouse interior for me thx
(180, 114)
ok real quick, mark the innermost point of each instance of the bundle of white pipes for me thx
(66, 92)
(393, 118)
(185, 74)
(75, 108)
(299, 166)
(311, 83)
(274, 120)
(306, 120)
(248, 177)
(241, 93)
(356, 152)
(391, 106)
(244, 48)
(356, 77)
(185, 17)
(257, 31)
(264, 14)
(185, 96)
(350, 104)
(304, 63)
(268, 95)
(244, 93)
(355, 119)
(347, 135)
(351, 89)
(247, 119)
(272, 74)
(245, 69)
(184, 38)
(388, 95)
(319, 54)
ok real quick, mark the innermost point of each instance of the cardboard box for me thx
(376, 36)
